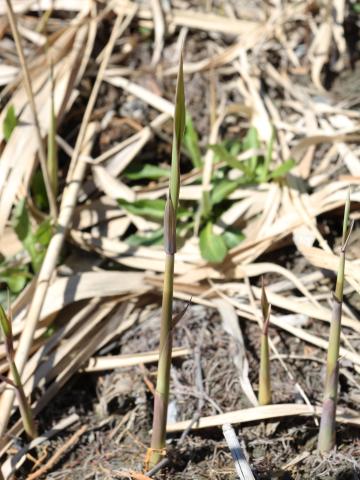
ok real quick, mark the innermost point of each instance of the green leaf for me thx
(212, 247)
(10, 122)
(283, 169)
(268, 156)
(15, 278)
(251, 142)
(232, 238)
(231, 160)
(151, 208)
(222, 190)
(43, 233)
(52, 153)
(191, 141)
(21, 221)
(147, 172)
(34, 244)
(179, 127)
(147, 239)
(38, 191)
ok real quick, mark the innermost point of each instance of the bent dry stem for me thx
(327, 432)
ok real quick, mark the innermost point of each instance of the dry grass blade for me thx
(231, 326)
(261, 413)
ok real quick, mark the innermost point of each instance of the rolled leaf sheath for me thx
(161, 398)
(264, 376)
(327, 432)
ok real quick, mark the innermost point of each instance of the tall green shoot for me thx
(327, 432)
(52, 159)
(161, 398)
(264, 373)
(25, 410)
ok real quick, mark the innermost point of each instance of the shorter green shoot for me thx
(264, 374)
(15, 381)
(327, 432)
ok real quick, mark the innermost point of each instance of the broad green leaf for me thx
(283, 169)
(222, 190)
(232, 238)
(151, 208)
(10, 122)
(191, 141)
(147, 172)
(147, 239)
(178, 132)
(212, 247)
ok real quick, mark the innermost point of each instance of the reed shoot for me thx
(264, 374)
(157, 449)
(327, 432)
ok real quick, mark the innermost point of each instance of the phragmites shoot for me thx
(157, 449)
(327, 432)
(264, 373)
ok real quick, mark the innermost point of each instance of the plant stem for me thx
(327, 431)
(161, 398)
(264, 376)
(264, 373)
(25, 409)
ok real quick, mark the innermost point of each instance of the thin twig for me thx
(58, 454)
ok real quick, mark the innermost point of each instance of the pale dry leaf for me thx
(231, 326)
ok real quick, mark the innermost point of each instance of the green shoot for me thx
(25, 410)
(264, 374)
(161, 398)
(191, 141)
(327, 432)
(52, 158)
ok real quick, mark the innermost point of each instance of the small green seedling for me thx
(34, 242)
(161, 398)
(264, 374)
(15, 381)
(327, 432)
